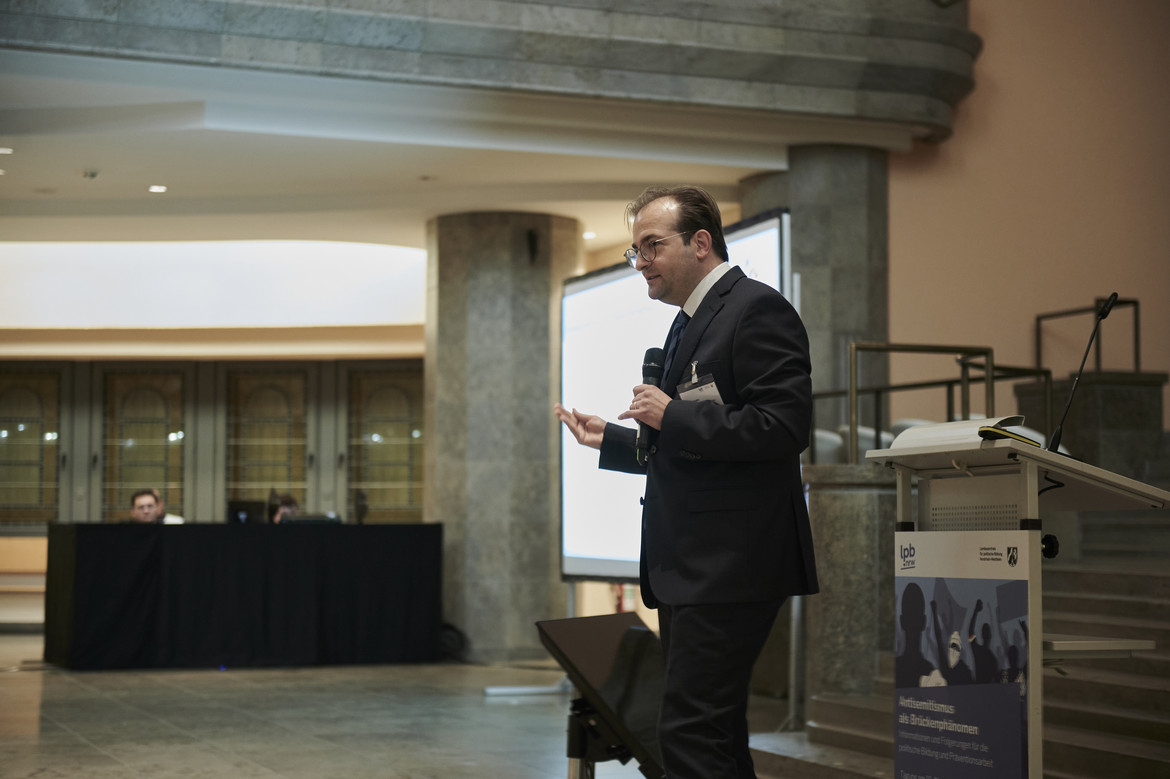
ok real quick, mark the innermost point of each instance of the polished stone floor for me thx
(343, 722)
(422, 722)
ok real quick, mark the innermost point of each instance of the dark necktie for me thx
(672, 340)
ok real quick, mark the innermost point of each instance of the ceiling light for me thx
(157, 188)
(5, 150)
(589, 236)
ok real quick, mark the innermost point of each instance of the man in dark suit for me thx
(725, 530)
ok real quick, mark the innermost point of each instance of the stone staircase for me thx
(1125, 534)
(1109, 717)
(1102, 718)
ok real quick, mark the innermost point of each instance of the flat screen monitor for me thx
(607, 324)
(246, 512)
(616, 664)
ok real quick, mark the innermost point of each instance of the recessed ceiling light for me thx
(157, 188)
(5, 150)
(2, 172)
(589, 236)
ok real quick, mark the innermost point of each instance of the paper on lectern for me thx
(964, 431)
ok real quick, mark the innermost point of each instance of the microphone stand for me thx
(1054, 442)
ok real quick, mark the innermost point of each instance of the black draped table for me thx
(207, 596)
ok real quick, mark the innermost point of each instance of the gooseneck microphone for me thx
(1054, 442)
(652, 375)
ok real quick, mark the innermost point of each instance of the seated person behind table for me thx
(147, 507)
(286, 505)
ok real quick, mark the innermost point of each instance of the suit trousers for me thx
(709, 652)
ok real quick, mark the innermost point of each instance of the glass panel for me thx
(385, 451)
(266, 435)
(29, 431)
(143, 439)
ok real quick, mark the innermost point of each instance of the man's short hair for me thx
(151, 491)
(697, 210)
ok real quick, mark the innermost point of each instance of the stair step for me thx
(1153, 522)
(1050, 774)
(875, 704)
(863, 723)
(779, 755)
(1106, 625)
(1155, 664)
(860, 712)
(1136, 548)
(1094, 717)
(866, 741)
(1080, 753)
(1127, 606)
(1109, 688)
(1139, 578)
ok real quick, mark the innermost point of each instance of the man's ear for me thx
(701, 241)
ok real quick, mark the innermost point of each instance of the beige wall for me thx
(1054, 190)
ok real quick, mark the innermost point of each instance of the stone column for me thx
(839, 200)
(853, 510)
(492, 283)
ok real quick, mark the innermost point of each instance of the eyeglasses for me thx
(648, 251)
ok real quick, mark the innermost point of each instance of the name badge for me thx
(699, 387)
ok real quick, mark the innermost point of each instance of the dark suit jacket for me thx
(724, 518)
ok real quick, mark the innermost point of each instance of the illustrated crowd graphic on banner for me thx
(961, 673)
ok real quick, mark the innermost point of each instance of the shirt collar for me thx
(703, 287)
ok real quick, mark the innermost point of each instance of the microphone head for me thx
(652, 365)
(1105, 309)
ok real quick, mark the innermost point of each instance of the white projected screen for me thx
(607, 324)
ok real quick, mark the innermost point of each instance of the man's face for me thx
(675, 270)
(145, 509)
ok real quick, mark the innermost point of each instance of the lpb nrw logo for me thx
(1013, 555)
(907, 555)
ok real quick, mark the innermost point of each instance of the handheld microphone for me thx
(652, 375)
(1054, 442)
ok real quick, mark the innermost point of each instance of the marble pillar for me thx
(493, 284)
(839, 201)
(853, 510)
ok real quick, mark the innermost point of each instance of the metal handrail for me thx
(1096, 307)
(975, 358)
(986, 352)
